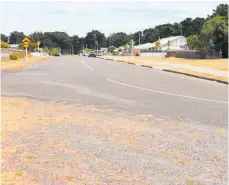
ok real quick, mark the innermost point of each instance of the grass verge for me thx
(7, 65)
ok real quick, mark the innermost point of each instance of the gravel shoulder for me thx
(59, 143)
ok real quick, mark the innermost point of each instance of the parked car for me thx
(92, 54)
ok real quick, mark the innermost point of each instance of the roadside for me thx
(7, 65)
(207, 69)
(50, 142)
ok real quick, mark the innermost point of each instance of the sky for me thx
(80, 17)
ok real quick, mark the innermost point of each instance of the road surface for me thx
(120, 86)
(111, 123)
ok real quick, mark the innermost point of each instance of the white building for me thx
(169, 43)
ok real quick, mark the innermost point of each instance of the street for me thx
(120, 86)
(80, 120)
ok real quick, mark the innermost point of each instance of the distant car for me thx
(86, 54)
(92, 54)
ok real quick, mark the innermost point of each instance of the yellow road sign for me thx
(26, 39)
(38, 43)
(158, 43)
(26, 44)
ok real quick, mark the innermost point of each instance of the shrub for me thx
(115, 53)
(4, 45)
(46, 50)
(111, 48)
(13, 57)
(54, 51)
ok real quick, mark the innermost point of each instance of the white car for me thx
(86, 54)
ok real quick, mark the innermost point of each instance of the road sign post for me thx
(26, 55)
(26, 43)
(38, 44)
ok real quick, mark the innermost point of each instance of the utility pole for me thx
(181, 30)
(132, 48)
(72, 49)
(139, 42)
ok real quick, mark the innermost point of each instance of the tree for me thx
(221, 10)
(193, 41)
(57, 39)
(214, 35)
(76, 43)
(16, 37)
(118, 39)
(4, 38)
(95, 38)
(36, 36)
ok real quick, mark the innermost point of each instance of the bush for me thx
(4, 45)
(115, 53)
(111, 48)
(53, 52)
(13, 57)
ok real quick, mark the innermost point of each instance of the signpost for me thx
(26, 43)
(38, 44)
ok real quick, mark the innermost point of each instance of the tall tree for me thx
(93, 38)
(118, 39)
(4, 38)
(221, 10)
(214, 35)
(16, 37)
(36, 36)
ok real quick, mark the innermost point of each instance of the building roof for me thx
(163, 42)
(144, 46)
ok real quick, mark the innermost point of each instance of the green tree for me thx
(118, 39)
(36, 36)
(4, 38)
(214, 35)
(193, 41)
(16, 37)
(93, 38)
(221, 10)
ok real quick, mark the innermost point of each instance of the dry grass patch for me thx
(204, 75)
(7, 65)
(219, 64)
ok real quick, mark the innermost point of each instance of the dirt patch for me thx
(48, 142)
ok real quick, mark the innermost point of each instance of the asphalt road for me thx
(121, 87)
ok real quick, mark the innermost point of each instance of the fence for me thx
(159, 54)
(193, 54)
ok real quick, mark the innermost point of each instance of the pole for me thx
(97, 47)
(26, 59)
(72, 49)
(38, 49)
(132, 48)
(139, 42)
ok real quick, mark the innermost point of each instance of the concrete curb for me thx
(196, 76)
(146, 66)
(130, 63)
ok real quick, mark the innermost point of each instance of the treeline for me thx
(202, 34)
